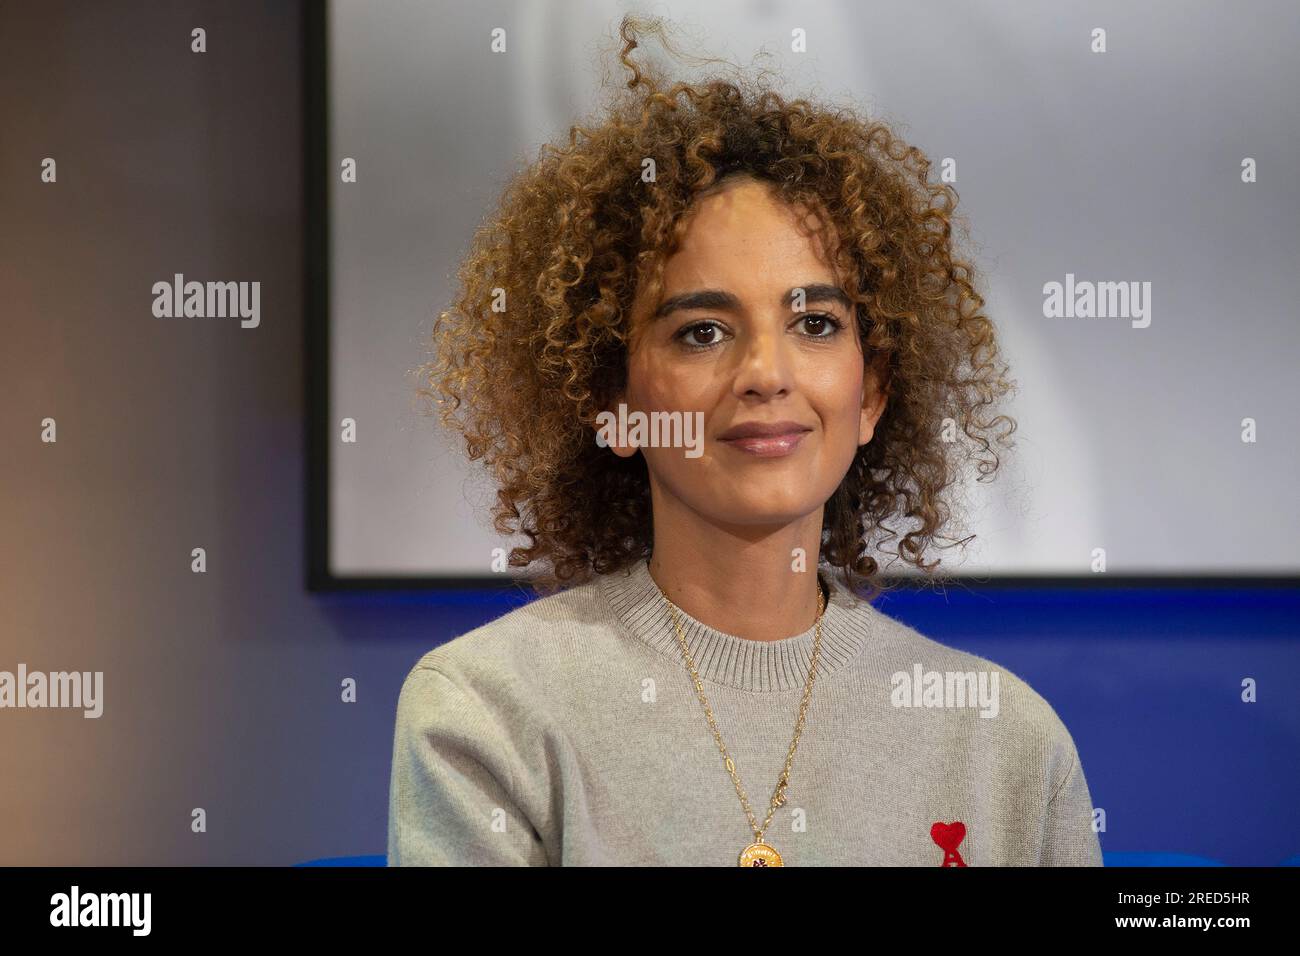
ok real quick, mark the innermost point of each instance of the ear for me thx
(875, 394)
(606, 427)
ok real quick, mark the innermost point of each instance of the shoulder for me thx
(517, 655)
(1018, 721)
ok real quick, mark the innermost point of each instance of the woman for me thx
(773, 280)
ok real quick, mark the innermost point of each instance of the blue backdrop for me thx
(1149, 682)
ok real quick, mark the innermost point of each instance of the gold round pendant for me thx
(760, 854)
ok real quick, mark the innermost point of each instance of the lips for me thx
(765, 440)
(763, 430)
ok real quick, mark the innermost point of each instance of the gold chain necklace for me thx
(758, 853)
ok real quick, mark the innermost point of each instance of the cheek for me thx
(657, 385)
(835, 390)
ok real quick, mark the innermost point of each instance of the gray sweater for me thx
(568, 732)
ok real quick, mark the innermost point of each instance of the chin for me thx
(758, 511)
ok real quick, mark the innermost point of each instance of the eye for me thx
(687, 333)
(823, 320)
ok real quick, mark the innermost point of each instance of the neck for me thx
(739, 580)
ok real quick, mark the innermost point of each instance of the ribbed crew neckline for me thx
(742, 663)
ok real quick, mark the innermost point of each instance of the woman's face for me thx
(730, 342)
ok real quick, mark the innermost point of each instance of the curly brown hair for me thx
(578, 231)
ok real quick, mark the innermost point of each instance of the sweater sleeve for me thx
(450, 798)
(1068, 836)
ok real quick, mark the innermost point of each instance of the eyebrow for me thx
(721, 299)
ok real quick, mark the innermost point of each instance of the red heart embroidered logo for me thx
(948, 835)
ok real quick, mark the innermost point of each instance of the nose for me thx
(763, 363)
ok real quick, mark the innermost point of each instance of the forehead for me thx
(744, 235)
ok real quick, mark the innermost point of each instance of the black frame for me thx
(316, 246)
